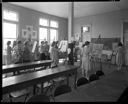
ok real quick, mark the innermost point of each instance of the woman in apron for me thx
(85, 59)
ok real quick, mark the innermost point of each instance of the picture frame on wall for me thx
(24, 33)
(29, 28)
(34, 35)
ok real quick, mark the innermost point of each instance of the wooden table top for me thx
(23, 66)
(18, 82)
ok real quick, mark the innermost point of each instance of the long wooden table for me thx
(24, 66)
(22, 81)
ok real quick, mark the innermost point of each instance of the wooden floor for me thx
(120, 79)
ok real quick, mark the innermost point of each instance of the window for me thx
(43, 22)
(43, 34)
(53, 35)
(54, 24)
(10, 27)
(48, 30)
(10, 15)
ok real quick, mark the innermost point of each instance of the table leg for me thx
(100, 65)
(67, 80)
(34, 89)
(75, 75)
(42, 85)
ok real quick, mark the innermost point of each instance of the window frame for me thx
(48, 28)
(54, 21)
(10, 22)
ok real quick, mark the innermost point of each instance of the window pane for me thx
(43, 32)
(54, 24)
(9, 30)
(9, 15)
(43, 22)
(53, 35)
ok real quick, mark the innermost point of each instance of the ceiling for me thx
(80, 8)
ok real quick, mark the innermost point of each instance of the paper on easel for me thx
(63, 46)
(34, 46)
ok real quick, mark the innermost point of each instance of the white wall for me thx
(107, 24)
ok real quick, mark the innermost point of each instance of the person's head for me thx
(26, 43)
(86, 43)
(8, 43)
(120, 44)
(46, 42)
(42, 42)
(53, 44)
(19, 43)
(14, 43)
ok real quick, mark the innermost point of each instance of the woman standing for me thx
(119, 57)
(54, 54)
(27, 52)
(9, 53)
(85, 59)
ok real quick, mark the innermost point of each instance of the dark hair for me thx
(26, 42)
(9, 42)
(120, 44)
(19, 42)
(14, 43)
(42, 42)
(53, 43)
(86, 43)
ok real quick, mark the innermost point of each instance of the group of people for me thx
(49, 52)
(22, 52)
(86, 56)
(19, 52)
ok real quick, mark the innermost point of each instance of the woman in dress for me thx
(27, 52)
(54, 55)
(119, 57)
(85, 59)
(9, 53)
(18, 53)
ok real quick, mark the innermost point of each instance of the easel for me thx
(94, 58)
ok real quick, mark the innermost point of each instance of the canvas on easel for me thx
(34, 46)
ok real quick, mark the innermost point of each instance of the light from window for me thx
(43, 34)
(43, 22)
(9, 30)
(54, 24)
(9, 15)
(53, 35)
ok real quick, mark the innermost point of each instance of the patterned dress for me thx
(85, 60)
(54, 55)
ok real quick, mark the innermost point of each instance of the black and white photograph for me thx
(64, 51)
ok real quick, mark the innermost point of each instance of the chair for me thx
(62, 89)
(93, 77)
(38, 98)
(18, 94)
(124, 96)
(81, 81)
(113, 55)
(99, 73)
(47, 86)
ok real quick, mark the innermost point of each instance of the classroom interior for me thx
(103, 24)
